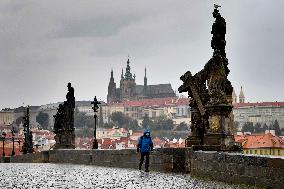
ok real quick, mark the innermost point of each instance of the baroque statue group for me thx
(210, 94)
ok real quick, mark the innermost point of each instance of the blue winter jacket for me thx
(145, 143)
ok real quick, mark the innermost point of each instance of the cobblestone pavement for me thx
(19, 175)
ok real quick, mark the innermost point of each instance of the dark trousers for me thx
(143, 154)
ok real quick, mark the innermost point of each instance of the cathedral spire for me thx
(111, 73)
(145, 78)
(128, 74)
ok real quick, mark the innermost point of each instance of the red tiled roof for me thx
(260, 141)
(274, 104)
(174, 145)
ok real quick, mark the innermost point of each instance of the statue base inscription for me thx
(192, 140)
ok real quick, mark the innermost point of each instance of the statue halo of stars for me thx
(210, 94)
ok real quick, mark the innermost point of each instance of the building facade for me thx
(7, 116)
(263, 112)
(129, 90)
(172, 107)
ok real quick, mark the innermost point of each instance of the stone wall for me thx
(232, 168)
(40, 157)
(165, 160)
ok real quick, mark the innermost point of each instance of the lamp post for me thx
(3, 138)
(95, 108)
(13, 139)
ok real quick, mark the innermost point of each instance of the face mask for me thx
(147, 134)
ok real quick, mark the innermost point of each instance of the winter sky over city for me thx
(46, 44)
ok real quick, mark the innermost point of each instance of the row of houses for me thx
(173, 107)
(119, 138)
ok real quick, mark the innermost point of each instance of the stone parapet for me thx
(259, 171)
(40, 157)
(232, 168)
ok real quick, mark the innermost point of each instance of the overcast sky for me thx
(46, 44)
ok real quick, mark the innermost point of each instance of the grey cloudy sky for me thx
(46, 44)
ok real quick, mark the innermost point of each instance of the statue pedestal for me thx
(65, 139)
(220, 127)
(192, 140)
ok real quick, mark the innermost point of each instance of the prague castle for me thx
(129, 90)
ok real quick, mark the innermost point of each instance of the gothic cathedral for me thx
(128, 89)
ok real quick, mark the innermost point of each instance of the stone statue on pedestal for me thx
(64, 122)
(210, 94)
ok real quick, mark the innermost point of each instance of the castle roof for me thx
(159, 89)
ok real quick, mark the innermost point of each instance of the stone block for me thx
(269, 184)
(275, 162)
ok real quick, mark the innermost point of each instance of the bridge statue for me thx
(64, 122)
(210, 94)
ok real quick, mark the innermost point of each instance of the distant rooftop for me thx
(256, 104)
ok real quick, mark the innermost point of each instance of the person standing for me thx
(145, 145)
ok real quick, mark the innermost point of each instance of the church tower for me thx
(234, 97)
(127, 84)
(111, 96)
(241, 96)
(145, 84)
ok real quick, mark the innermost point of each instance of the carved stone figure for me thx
(64, 122)
(210, 92)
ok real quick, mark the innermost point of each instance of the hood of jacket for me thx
(146, 131)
